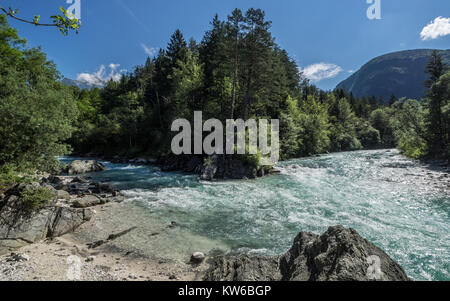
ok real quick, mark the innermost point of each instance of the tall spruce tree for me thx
(436, 129)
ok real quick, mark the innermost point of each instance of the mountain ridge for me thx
(80, 84)
(400, 73)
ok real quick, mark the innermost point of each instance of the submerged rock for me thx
(339, 254)
(81, 167)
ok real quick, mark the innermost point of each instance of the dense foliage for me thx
(37, 112)
(236, 71)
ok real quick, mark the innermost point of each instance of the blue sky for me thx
(327, 38)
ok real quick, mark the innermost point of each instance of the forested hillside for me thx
(400, 73)
(236, 71)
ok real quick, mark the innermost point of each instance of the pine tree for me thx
(435, 69)
(393, 99)
(258, 43)
(177, 48)
(234, 28)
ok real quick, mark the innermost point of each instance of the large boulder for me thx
(339, 254)
(19, 227)
(80, 167)
(88, 201)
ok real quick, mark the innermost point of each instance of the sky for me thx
(328, 39)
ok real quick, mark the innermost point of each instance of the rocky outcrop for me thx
(79, 186)
(215, 167)
(88, 201)
(19, 227)
(80, 167)
(339, 254)
(69, 208)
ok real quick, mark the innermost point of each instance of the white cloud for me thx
(101, 76)
(321, 71)
(149, 51)
(438, 28)
(114, 66)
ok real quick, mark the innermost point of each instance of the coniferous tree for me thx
(436, 98)
(435, 69)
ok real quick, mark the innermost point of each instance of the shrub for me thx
(35, 199)
(9, 178)
(413, 146)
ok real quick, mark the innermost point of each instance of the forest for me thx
(236, 71)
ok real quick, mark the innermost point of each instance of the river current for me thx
(401, 205)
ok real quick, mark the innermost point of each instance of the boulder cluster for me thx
(339, 254)
(59, 205)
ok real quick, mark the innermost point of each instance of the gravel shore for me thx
(70, 258)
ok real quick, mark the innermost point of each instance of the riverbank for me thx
(208, 168)
(117, 260)
(399, 204)
(339, 254)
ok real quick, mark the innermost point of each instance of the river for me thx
(401, 205)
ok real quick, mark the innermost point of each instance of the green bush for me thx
(9, 178)
(251, 160)
(369, 137)
(413, 146)
(35, 199)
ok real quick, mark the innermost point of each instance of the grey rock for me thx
(17, 231)
(339, 254)
(66, 220)
(88, 201)
(62, 195)
(140, 161)
(16, 257)
(197, 257)
(81, 167)
(79, 180)
(90, 259)
(55, 180)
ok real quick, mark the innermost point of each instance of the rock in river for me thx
(81, 167)
(339, 254)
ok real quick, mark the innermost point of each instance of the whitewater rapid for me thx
(401, 205)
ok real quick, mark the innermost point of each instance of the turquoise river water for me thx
(400, 205)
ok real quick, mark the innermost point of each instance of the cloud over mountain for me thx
(100, 77)
(439, 27)
(321, 71)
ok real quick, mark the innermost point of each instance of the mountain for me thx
(400, 73)
(81, 84)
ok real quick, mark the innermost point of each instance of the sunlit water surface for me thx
(390, 200)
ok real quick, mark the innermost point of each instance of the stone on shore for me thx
(339, 254)
(20, 226)
(197, 258)
(81, 167)
(50, 222)
(88, 201)
(62, 195)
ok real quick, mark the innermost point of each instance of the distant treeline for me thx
(236, 71)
